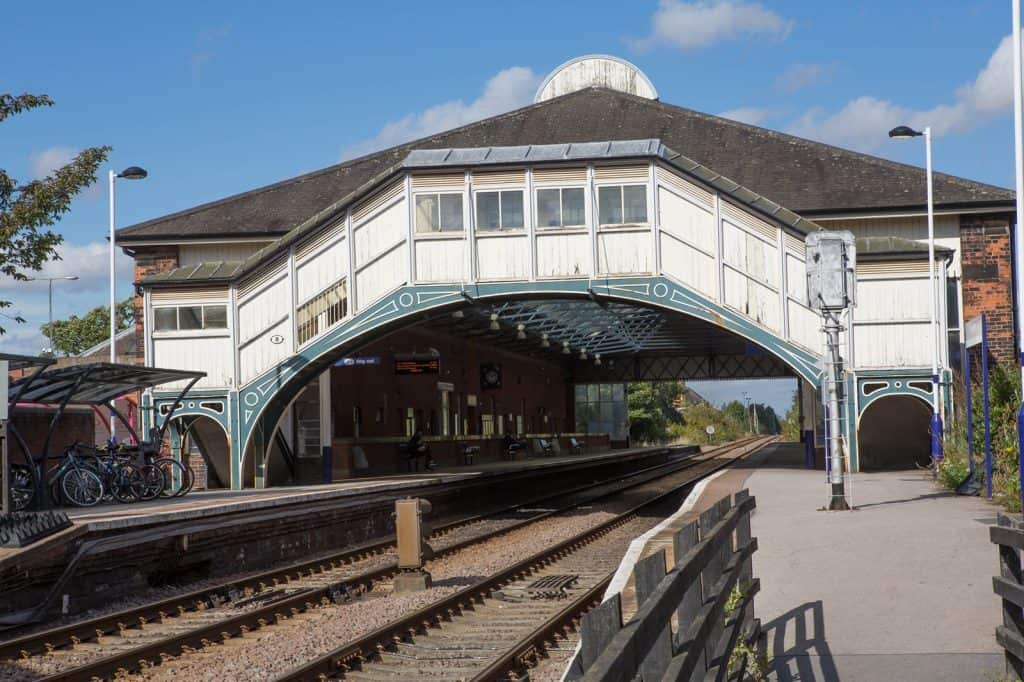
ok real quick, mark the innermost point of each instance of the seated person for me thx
(511, 445)
(416, 448)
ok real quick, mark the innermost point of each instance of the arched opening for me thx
(383, 388)
(894, 434)
(206, 448)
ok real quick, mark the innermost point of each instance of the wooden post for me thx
(647, 574)
(1013, 620)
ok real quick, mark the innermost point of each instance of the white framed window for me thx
(500, 210)
(560, 207)
(622, 204)
(440, 212)
(190, 318)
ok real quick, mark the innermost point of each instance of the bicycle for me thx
(74, 481)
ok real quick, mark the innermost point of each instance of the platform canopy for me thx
(20, 362)
(97, 383)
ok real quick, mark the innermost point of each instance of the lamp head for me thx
(72, 277)
(133, 173)
(904, 133)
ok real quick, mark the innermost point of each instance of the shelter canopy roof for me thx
(96, 383)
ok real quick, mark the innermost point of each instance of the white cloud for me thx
(89, 262)
(864, 122)
(751, 115)
(508, 89)
(44, 163)
(203, 51)
(694, 25)
(799, 76)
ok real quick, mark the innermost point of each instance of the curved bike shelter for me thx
(95, 384)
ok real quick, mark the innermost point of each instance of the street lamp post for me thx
(902, 133)
(49, 281)
(130, 173)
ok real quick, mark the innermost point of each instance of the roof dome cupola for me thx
(596, 71)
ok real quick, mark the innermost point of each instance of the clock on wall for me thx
(490, 375)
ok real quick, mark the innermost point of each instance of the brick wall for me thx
(988, 278)
(149, 260)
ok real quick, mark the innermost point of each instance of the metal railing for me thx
(321, 312)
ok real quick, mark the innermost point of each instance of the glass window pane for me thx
(634, 198)
(619, 392)
(609, 205)
(215, 317)
(487, 211)
(581, 393)
(606, 414)
(427, 219)
(165, 319)
(592, 393)
(606, 392)
(548, 209)
(190, 317)
(451, 212)
(573, 212)
(511, 210)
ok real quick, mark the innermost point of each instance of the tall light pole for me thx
(129, 173)
(1018, 233)
(903, 133)
(49, 281)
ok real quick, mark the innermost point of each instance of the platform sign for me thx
(370, 360)
(417, 364)
(973, 334)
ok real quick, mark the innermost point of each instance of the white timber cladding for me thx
(503, 257)
(315, 270)
(514, 178)
(624, 252)
(205, 352)
(915, 228)
(380, 232)
(194, 254)
(575, 176)
(893, 315)
(264, 351)
(175, 296)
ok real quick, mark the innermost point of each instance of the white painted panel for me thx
(383, 275)
(735, 291)
(734, 246)
(749, 254)
(947, 230)
(210, 354)
(319, 272)
(380, 233)
(687, 220)
(763, 305)
(624, 253)
(892, 345)
(194, 254)
(689, 266)
(796, 278)
(440, 260)
(502, 258)
(805, 327)
(258, 312)
(261, 354)
(892, 299)
(563, 255)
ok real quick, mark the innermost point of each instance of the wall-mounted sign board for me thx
(426, 364)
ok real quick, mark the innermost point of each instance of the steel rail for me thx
(83, 631)
(370, 645)
(288, 605)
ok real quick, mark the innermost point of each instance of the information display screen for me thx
(417, 365)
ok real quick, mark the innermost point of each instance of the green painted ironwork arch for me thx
(873, 389)
(262, 401)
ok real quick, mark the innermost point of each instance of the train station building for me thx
(512, 275)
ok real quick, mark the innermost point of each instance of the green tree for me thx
(738, 413)
(651, 411)
(791, 426)
(76, 334)
(28, 210)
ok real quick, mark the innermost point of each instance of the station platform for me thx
(898, 589)
(206, 503)
(113, 550)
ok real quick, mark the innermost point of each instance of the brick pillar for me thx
(988, 278)
(149, 260)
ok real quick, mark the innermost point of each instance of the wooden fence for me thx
(682, 629)
(1009, 586)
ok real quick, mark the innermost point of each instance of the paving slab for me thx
(898, 589)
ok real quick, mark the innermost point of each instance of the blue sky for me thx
(217, 98)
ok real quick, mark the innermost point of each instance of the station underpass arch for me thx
(624, 339)
(894, 433)
(205, 435)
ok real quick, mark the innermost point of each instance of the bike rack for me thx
(16, 363)
(92, 384)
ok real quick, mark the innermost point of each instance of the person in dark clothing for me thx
(416, 448)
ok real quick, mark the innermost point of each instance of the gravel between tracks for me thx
(266, 653)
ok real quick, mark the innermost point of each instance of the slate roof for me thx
(805, 176)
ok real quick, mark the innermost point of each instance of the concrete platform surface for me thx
(899, 589)
(205, 503)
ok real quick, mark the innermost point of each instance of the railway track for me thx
(141, 636)
(531, 604)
